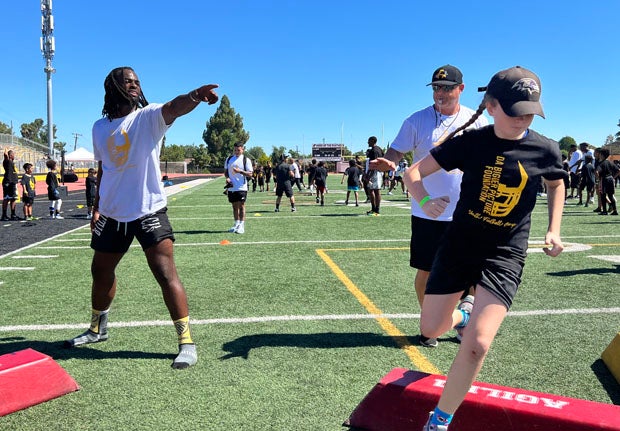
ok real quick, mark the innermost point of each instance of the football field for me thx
(295, 320)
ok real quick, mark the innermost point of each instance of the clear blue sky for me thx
(300, 72)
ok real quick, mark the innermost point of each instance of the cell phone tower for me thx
(48, 47)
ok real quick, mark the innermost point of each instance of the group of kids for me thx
(28, 183)
(592, 171)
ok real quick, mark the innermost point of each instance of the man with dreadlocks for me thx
(127, 144)
(419, 133)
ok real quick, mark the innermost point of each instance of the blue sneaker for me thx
(430, 427)
(466, 304)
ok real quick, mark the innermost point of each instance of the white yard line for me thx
(292, 318)
(50, 256)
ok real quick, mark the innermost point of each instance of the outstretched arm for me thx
(387, 162)
(186, 103)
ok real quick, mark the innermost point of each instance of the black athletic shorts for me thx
(425, 237)
(238, 196)
(10, 191)
(466, 259)
(113, 236)
(285, 188)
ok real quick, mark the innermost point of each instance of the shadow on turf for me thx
(586, 271)
(58, 352)
(241, 347)
(608, 381)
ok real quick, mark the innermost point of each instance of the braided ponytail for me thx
(471, 121)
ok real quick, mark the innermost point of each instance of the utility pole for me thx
(48, 47)
(76, 135)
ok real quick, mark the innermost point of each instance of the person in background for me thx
(53, 194)
(574, 164)
(131, 202)
(284, 175)
(320, 182)
(91, 191)
(268, 171)
(260, 175)
(353, 174)
(374, 178)
(607, 172)
(238, 170)
(296, 173)
(29, 184)
(588, 177)
(9, 185)
(420, 133)
(311, 173)
(585, 149)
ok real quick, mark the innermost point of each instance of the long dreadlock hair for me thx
(116, 96)
(487, 98)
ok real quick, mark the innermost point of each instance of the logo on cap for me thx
(528, 85)
(441, 74)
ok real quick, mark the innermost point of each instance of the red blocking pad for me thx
(402, 400)
(28, 377)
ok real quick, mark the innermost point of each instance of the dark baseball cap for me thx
(517, 90)
(447, 75)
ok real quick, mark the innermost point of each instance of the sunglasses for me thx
(446, 88)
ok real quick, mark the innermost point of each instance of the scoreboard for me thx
(327, 152)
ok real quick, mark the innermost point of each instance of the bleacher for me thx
(26, 151)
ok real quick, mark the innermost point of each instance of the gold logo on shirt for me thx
(119, 153)
(500, 199)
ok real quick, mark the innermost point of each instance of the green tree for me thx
(37, 132)
(276, 154)
(60, 146)
(256, 153)
(262, 160)
(296, 154)
(566, 142)
(33, 131)
(618, 134)
(173, 153)
(609, 139)
(5, 128)
(224, 129)
(200, 157)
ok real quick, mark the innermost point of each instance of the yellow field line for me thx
(412, 352)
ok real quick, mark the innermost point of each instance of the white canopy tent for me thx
(80, 158)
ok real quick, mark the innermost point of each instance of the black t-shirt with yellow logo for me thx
(500, 177)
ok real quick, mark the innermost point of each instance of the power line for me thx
(76, 136)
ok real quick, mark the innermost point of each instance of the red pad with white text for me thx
(402, 400)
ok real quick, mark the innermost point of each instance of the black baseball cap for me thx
(517, 90)
(447, 75)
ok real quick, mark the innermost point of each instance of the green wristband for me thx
(424, 200)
